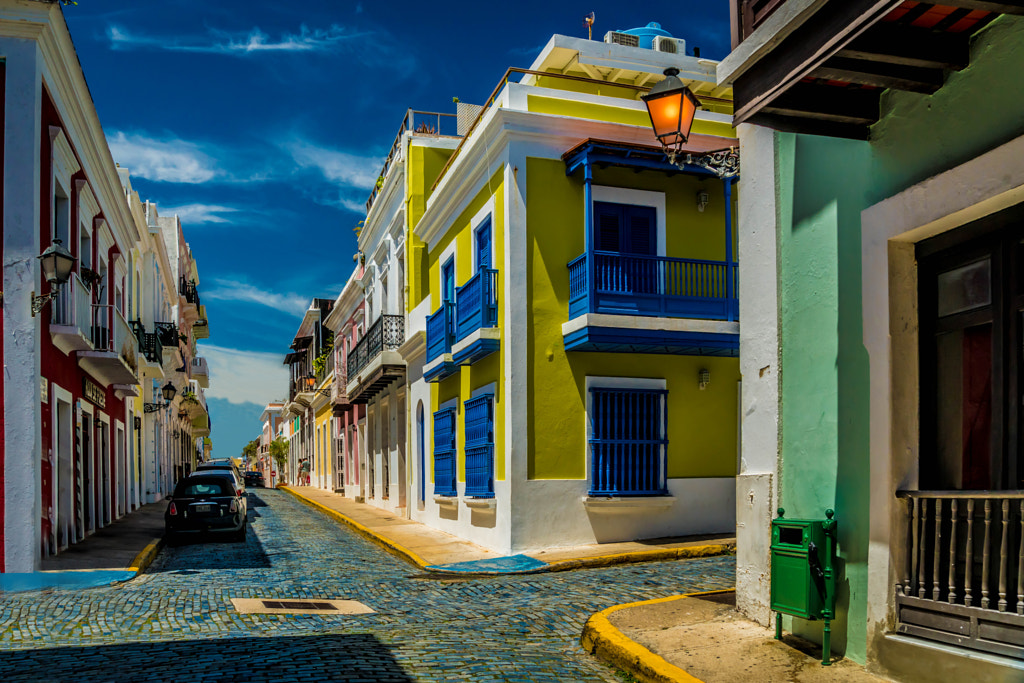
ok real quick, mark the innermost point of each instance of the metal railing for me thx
(168, 333)
(673, 286)
(149, 343)
(187, 289)
(387, 333)
(476, 303)
(420, 123)
(303, 384)
(964, 558)
(440, 331)
(339, 388)
(73, 305)
(480, 471)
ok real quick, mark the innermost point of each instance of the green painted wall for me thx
(702, 424)
(823, 185)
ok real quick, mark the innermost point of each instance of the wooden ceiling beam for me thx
(997, 6)
(881, 75)
(910, 46)
(790, 124)
(854, 106)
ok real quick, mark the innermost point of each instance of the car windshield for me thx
(210, 486)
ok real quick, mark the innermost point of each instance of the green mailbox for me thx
(803, 572)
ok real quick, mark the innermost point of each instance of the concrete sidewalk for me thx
(702, 637)
(117, 552)
(437, 551)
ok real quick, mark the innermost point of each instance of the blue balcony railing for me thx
(476, 303)
(440, 331)
(655, 286)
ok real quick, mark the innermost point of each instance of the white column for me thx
(22, 445)
(756, 481)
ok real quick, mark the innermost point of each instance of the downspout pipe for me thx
(588, 238)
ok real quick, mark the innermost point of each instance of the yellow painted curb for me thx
(364, 531)
(685, 553)
(146, 557)
(601, 639)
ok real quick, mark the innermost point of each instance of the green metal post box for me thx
(803, 575)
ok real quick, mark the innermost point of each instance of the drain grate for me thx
(324, 607)
(294, 605)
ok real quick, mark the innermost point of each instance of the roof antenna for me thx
(589, 22)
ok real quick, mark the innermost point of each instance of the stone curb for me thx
(601, 639)
(146, 557)
(363, 531)
(691, 552)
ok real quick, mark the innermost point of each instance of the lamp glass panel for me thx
(665, 113)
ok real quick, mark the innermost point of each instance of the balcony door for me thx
(483, 245)
(625, 229)
(448, 281)
(972, 325)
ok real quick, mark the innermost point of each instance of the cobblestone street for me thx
(176, 622)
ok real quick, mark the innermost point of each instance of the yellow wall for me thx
(489, 369)
(422, 168)
(701, 424)
(602, 112)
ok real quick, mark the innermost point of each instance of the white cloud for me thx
(335, 166)
(245, 376)
(196, 214)
(254, 41)
(235, 290)
(171, 160)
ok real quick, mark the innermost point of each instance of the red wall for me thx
(55, 366)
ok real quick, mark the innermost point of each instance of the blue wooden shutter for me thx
(607, 226)
(483, 245)
(480, 446)
(640, 233)
(627, 442)
(444, 452)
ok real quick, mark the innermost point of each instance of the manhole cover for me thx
(335, 607)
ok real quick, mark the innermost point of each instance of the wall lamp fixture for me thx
(56, 262)
(168, 392)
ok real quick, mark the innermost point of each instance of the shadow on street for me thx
(356, 657)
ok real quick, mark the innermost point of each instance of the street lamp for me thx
(56, 262)
(672, 107)
(168, 391)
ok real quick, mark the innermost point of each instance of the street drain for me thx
(300, 606)
(327, 607)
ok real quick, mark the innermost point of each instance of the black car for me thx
(224, 468)
(254, 479)
(206, 502)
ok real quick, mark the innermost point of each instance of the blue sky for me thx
(264, 123)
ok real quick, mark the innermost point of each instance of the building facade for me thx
(880, 241)
(87, 450)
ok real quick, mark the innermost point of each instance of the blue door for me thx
(448, 281)
(483, 245)
(625, 228)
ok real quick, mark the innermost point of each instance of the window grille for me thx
(444, 453)
(628, 442)
(480, 446)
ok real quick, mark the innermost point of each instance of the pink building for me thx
(347, 321)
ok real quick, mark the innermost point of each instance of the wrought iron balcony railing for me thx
(149, 343)
(386, 334)
(168, 333)
(187, 289)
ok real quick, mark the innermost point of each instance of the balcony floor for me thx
(642, 334)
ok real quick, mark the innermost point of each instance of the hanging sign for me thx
(94, 393)
(44, 390)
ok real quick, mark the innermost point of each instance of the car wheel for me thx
(170, 538)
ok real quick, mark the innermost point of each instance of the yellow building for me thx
(575, 297)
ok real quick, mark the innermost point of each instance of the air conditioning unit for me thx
(618, 38)
(675, 46)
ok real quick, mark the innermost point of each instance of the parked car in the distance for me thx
(227, 467)
(254, 479)
(206, 502)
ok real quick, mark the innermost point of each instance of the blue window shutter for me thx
(483, 245)
(444, 452)
(480, 446)
(628, 442)
(607, 226)
(641, 228)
